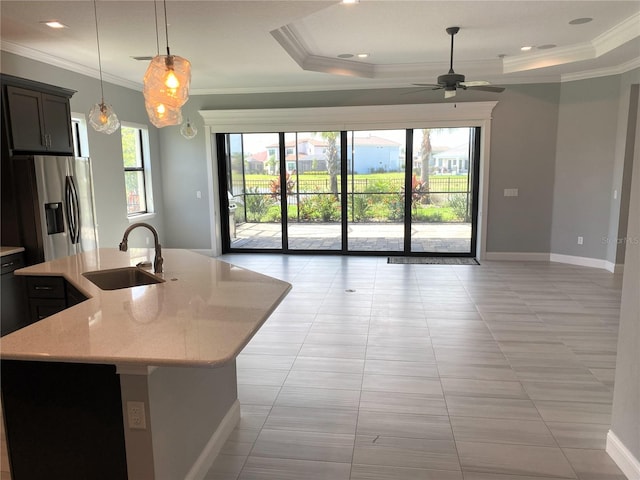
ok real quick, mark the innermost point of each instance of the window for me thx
(79, 133)
(135, 156)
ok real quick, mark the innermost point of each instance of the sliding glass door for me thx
(375, 190)
(313, 189)
(442, 193)
(395, 192)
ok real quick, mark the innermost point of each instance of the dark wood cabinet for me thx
(63, 421)
(50, 295)
(14, 300)
(37, 117)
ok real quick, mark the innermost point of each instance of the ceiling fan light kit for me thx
(451, 81)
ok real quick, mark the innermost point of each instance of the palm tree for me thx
(425, 156)
(333, 159)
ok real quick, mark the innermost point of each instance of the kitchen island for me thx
(142, 375)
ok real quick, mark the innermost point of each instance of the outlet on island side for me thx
(580, 240)
(136, 416)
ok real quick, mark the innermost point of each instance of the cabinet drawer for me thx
(9, 263)
(45, 287)
(40, 308)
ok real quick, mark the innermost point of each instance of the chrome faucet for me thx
(158, 260)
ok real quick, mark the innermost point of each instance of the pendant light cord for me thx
(166, 27)
(155, 15)
(95, 12)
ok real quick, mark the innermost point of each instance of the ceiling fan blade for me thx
(416, 90)
(434, 86)
(487, 88)
(475, 83)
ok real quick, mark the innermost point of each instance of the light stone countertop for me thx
(203, 315)
(4, 251)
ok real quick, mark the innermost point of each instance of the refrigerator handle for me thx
(72, 208)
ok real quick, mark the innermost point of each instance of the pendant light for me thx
(166, 85)
(188, 130)
(101, 116)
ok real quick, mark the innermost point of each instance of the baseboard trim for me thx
(582, 261)
(204, 462)
(621, 455)
(517, 256)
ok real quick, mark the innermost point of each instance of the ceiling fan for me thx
(452, 81)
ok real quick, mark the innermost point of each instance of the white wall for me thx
(591, 149)
(625, 421)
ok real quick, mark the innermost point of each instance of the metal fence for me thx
(358, 185)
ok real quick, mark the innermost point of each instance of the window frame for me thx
(145, 161)
(79, 135)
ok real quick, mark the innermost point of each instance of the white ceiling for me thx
(238, 46)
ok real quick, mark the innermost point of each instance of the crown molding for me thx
(39, 56)
(290, 41)
(622, 33)
(615, 37)
(559, 56)
(602, 72)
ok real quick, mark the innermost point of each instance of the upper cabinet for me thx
(37, 117)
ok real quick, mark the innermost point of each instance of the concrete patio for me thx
(367, 237)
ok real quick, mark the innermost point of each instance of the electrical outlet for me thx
(510, 192)
(580, 240)
(198, 194)
(136, 415)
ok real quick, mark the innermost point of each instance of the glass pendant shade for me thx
(188, 130)
(166, 83)
(162, 115)
(103, 119)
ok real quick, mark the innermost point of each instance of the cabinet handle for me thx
(4, 265)
(37, 287)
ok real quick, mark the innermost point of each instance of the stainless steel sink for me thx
(117, 278)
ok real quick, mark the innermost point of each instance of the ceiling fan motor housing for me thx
(450, 80)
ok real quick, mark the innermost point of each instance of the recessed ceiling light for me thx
(350, 1)
(363, 55)
(547, 46)
(580, 21)
(345, 55)
(526, 49)
(54, 24)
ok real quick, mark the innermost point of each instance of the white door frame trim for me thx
(370, 117)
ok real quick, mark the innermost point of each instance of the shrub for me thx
(396, 207)
(458, 203)
(274, 186)
(320, 207)
(361, 208)
(273, 214)
(257, 204)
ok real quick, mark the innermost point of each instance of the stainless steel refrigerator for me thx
(66, 205)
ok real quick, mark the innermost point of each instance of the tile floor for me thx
(370, 371)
